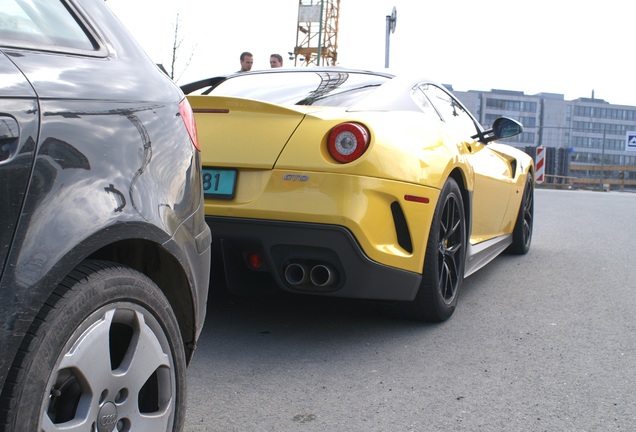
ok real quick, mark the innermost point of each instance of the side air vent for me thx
(401, 227)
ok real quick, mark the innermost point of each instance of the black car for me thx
(104, 250)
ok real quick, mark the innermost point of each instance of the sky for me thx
(577, 49)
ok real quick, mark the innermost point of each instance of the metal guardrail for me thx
(571, 182)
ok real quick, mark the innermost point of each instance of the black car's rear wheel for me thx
(105, 353)
(522, 234)
(444, 264)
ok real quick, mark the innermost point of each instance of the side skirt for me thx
(480, 254)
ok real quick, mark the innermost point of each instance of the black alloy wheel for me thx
(444, 263)
(522, 234)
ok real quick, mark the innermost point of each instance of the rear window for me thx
(322, 88)
(41, 24)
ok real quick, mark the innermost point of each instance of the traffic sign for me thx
(630, 143)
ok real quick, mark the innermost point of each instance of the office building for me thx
(586, 139)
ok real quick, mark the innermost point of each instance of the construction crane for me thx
(317, 33)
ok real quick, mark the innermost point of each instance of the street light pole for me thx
(603, 155)
(390, 28)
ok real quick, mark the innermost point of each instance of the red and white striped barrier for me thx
(539, 175)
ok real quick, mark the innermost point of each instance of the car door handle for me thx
(9, 133)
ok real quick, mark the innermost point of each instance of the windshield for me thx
(323, 88)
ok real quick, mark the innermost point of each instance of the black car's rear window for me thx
(324, 88)
(41, 24)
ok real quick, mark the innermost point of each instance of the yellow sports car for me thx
(357, 184)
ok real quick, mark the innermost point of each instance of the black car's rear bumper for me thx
(306, 258)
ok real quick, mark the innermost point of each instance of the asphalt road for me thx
(541, 342)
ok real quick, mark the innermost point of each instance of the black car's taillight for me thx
(188, 119)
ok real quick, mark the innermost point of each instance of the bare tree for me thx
(176, 51)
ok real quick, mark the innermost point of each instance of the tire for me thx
(445, 258)
(522, 233)
(104, 353)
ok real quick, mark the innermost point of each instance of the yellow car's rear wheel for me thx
(445, 256)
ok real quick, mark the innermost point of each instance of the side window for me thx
(41, 24)
(420, 99)
(450, 110)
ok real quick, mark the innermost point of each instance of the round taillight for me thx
(347, 142)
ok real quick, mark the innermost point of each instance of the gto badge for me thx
(295, 177)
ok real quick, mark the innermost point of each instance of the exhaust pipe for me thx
(295, 274)
(322, 275)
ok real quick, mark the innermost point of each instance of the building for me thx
(585, 139)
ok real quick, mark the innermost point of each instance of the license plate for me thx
(219, 183)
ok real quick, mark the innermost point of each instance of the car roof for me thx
(347, 88)
(208, 84)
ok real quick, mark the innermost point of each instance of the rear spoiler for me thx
(197, 85)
